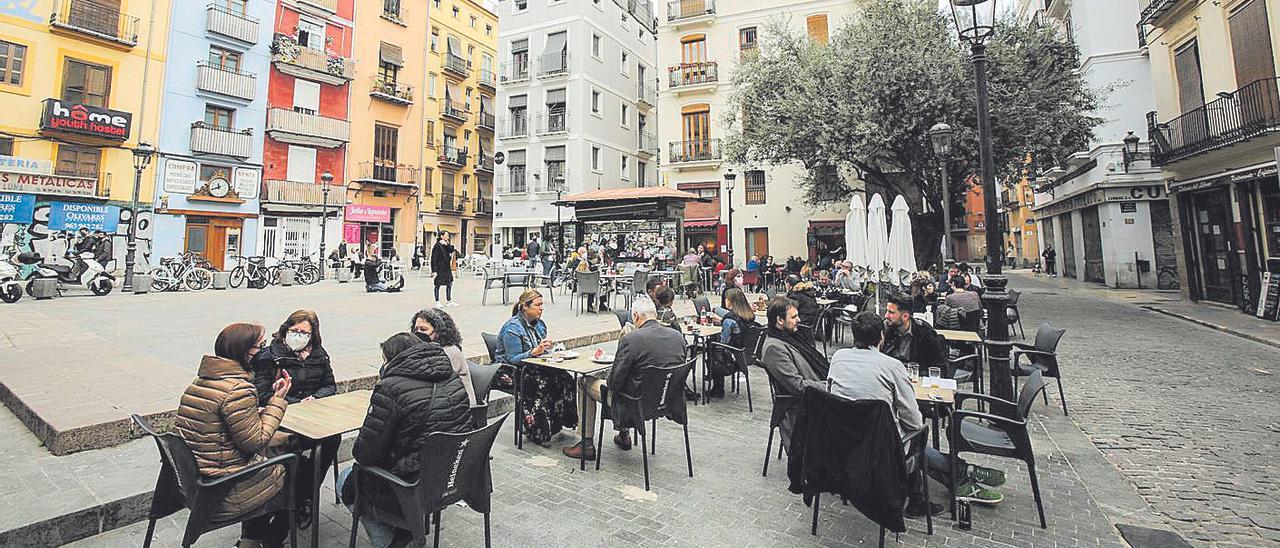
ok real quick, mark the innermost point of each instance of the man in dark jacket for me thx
(806, 304)
(908, 340)
(534, 251)
(373, 282)
(103, 251)
(650, 345)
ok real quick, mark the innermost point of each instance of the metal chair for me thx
(740, 359)
(1042, 357)
(454, 467)
(661, 395)
(1000, 437)
(1013, 314)
(782, 403)
(180, 486)
(588, 284)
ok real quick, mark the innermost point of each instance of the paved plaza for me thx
(1169, 429)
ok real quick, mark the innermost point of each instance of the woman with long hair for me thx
(737, 320)
(437, 326)
(546, 395)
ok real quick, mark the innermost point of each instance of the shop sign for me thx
(1127, 194)
(1078, 201)
(86, 120)
(247, 181)
(17, 208)
(351, 233)
(1242, 177)
(77, 215)
(15, 164)
(48, 184)
(180, 176)
(368, 213)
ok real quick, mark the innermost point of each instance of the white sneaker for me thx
(452, 303)
(439, 304)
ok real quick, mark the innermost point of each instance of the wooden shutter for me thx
(817, 27)
(1251, 43)
(1186, 63)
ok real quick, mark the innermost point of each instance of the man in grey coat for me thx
(792, 361)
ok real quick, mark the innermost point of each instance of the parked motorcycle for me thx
(84, 271)
(10, 287)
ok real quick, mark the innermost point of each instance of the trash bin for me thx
(141, 284)
(344, 275)
(221, 280)
(288, 276)
(44, 288)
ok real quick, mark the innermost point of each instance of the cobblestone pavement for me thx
(1186, 413)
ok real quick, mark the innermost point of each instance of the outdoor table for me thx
(319, 419)
(579, 366)
(935, 396)
(960, 336)
(825, 302)
(700, 334)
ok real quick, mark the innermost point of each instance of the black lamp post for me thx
(729, 178)
(141, 159)
(1130, 150)
(941, 136)
(559, 188)
(327, 179)
(975, 22)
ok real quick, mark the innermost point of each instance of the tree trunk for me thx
(926, 231)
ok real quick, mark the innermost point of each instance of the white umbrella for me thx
(901, 245)
(877, 238)
(855, 232)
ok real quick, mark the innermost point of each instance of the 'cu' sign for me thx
(1146, 192)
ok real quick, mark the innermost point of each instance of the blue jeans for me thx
(380, 534)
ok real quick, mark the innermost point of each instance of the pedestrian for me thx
(533, 252)
(442, 255)
(1009, 259)
(1050, 260)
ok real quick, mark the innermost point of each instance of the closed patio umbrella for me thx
(855, 232)
(902, 255)
(877, 237)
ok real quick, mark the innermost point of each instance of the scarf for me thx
(817, 362)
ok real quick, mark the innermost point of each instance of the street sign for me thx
(499, 157)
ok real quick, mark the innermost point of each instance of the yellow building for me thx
(460, 113)
(80, 82)
(1214, 134)
(385, 157)
(1020, 241)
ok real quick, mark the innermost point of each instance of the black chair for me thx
(482, 377)
(588, 285)
(491, 342)
(736, 360)
(782, 403)
(1042, 357)
(180, 486)
(661, 395)
(455, 467)
(971, 321)
(1013, 314)
(701, 305)
(1000, 437)
(624, 317)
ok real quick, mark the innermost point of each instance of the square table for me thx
(935, 396)
(579, 366)
(319, 419)
(960, 336)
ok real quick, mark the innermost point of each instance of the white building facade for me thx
(699, 46)
(576, 98)
(1105, 212)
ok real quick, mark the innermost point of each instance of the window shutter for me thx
(306, 95)
(555, 96)
(391, 54)
(817, 28)
(1186, 62)
(518, 101)
(1251, 43)
(302, 164)
(554, 154)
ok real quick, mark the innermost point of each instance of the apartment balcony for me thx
(276, 191)
(451, 203)
(484, 162)
(486, 121)
(452, 157)
(690, 13)
(388, 173)
(300, 128)
(554, 65)
(643, 13)
(513, 182)
(555, 122)
(1250, 112)
(698, 154)
(390, 90)
(206, 139)
(647, 145)
(514, 73)
(226, 82)
(453, 111)
(484, 207)
(94, 20)
(488, 79)
(295, 60)
(513, 127)
(224, 22)
(1154, 11)
(646, 95)
(330, 6)
(457, 66)
(394, 12)
(689, 78)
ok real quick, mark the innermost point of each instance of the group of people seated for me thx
(230, 415)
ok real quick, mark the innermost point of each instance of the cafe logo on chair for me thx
(85, 120)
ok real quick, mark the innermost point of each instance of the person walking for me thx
(442, 269)
(534, 252)
(1050, 260)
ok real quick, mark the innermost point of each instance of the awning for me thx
(633, 193)
(701, 223)
(391, 54)
(482, 230)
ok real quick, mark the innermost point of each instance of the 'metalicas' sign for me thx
(105, 123)
(31, 183)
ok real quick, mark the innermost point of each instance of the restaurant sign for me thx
(1263, 172)
(61, 115)
(368, 213)
(48, 184)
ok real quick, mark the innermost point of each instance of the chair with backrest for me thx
(522, 279)
(180, 486)
(624, 317)
(588, 285)
(493, 278)
(1042, 357)
(736, 360)
(639, 279)
(1000, 436)
(454, 467)
(701, 305)
(1013, 314)
(491, 343)
(482, 377)
(661, 395)
(782, 403)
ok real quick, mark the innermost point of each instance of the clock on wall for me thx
(219, 187)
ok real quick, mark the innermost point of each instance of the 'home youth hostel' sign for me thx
(98, 122)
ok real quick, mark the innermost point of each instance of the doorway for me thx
(1094, 269)
(1213, 239)
(216, 239)
(757, 242)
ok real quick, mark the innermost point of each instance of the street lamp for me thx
(729, 178)
(558, 183)
(327, 179)
(975, 23)
(141, 159)
(941, 137)
(1130, 150)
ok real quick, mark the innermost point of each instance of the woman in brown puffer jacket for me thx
(221, 422)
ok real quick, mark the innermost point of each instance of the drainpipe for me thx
(422, 131)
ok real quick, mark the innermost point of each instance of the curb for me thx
(1213, 326)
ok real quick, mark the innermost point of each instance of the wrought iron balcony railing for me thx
(1249, 112)
(701, 150)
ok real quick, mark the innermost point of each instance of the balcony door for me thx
(696, 131)
(1254, 64)
(693, 59)
(1193, 128)
(100, 16)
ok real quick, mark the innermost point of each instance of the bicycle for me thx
(306, 270)
(250, 268)
(173, 272)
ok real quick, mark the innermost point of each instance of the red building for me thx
(307, 127)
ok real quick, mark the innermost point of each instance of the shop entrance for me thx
(1094, 269)
(1213, 242)
(214, 238)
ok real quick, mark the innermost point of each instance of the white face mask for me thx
(296, 341)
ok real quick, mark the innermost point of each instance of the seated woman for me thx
(373, 282)
(418, 394)
(437, 326)
(737, 319)
(546, 395)
(221, 422)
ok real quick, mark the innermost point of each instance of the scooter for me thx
(85, 271)
(10, 287)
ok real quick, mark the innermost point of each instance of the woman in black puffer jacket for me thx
(419, 393)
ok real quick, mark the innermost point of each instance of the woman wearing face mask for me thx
(296, 349)
(438, 327)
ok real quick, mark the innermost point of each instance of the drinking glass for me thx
(913, 371)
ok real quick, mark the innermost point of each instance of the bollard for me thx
(344, 275)
(288, 276)
(44, 288)
(222, 281)
(141, 284)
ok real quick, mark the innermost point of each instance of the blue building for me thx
(208, 177)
